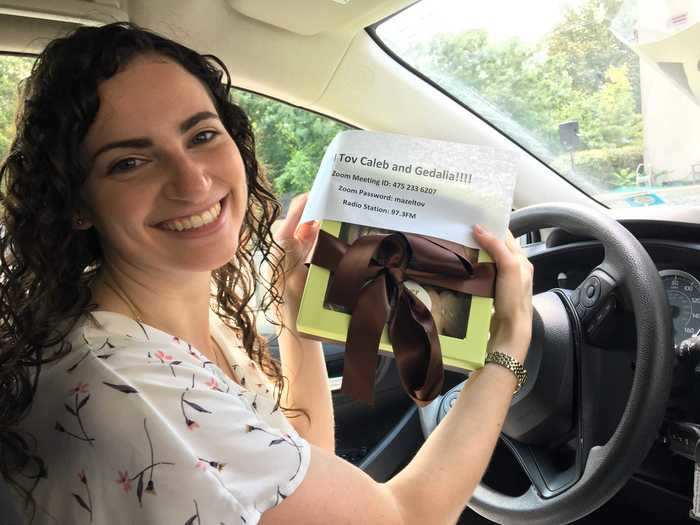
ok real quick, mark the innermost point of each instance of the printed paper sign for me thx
(414, 185)
(644, 199)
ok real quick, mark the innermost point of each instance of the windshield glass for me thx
(564, 79)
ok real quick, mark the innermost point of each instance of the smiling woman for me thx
(134, 386)
(102, 209)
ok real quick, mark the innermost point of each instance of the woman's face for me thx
(166, 186)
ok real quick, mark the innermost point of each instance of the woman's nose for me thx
(188, 178)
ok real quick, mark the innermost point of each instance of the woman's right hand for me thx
(511, 324)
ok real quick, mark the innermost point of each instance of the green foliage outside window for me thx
(12, 70)
(614, 167)
(290, 141)
(580, 72)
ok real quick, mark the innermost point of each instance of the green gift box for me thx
(462, 320)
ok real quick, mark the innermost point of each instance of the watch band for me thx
(511, 364)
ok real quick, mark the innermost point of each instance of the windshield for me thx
(564, 79)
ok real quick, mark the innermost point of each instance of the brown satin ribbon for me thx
(368, 278)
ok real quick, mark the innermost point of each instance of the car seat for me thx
(8, 510)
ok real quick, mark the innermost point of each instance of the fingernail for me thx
(305, 230)
(478, 229)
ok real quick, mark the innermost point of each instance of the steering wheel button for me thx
(591, 292)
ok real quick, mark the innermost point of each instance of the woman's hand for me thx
(511, 324)
(296, 240)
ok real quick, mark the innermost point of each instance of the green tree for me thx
(290, 141)
(609, 117)
(12, 70)
(580, 72)
(590, 48)
(514, 79)
(298, 174)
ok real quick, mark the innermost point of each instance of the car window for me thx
(290, 141)
(557, 77)
(12, 70)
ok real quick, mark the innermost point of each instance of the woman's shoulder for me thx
(106, 349)
(109, 344)
(120, 329)
(113, 345)
(112, 349)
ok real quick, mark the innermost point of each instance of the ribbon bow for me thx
(368, 281)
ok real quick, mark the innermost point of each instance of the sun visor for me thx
(665, 33)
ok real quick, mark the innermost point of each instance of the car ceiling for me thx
(312, 53)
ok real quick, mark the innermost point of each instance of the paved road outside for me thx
(652, 196)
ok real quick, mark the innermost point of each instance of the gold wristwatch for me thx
(511, 364)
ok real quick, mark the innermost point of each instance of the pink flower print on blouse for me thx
(283, 439)
(191, 424)
(194, 354)
(163, 356)
(167, 359)
(145, 474)
(124, 480)
(213, 384)
(74, 410)
(87, 505)
(218, 465)
(80, 388)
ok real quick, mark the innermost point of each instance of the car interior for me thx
(605, 206)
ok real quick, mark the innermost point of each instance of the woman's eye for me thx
(125, 165)
(204, 136)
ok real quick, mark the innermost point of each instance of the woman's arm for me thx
(437, 484)
(303, 362)
(307, 388)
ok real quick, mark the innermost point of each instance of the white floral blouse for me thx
(137, 426)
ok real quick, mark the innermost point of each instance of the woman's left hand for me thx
(296, 240)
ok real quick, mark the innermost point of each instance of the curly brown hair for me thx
(46, 266)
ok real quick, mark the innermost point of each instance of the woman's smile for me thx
(198, 224)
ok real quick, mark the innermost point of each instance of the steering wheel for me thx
(560, 401)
